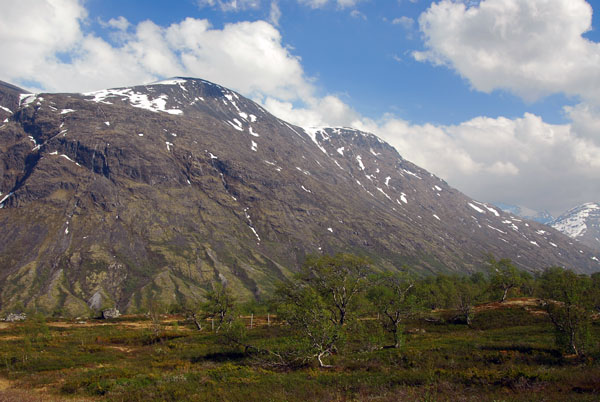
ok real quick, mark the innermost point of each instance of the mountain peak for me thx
(581, 223)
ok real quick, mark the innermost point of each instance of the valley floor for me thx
(507, 354)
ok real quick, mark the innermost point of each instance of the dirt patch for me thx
(520, 302)
(4, 384)
(120, 348)
(10, 338)
(4, 325)
(66, 324)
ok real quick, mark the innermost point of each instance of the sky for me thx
(501, 98)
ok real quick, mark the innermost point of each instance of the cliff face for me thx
(122, 196)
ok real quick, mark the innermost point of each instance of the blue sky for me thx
(364, 58)
(499, 97)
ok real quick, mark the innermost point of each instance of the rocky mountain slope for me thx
(127, 195)
(581, 223)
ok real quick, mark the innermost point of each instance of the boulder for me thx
(14, 317)
(111, 313)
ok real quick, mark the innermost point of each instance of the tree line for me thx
(334, 298)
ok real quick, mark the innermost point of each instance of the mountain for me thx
(131, 195)
(538, 216)
(581, 223)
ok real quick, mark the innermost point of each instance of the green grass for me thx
(126, 360)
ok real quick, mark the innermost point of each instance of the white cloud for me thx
(347, 3)
(532, 48)
(524, 161)
(358, 14)
(314, 3)
(230, 5)
(119, 23)
(246, 56)
(275, 13)
(34, 31)
(586, 121)
(327, 111)
(405, 22)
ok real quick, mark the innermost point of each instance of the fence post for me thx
(251, 320)
(268, 320)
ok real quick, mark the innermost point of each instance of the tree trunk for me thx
(319, 357)
(198, 324)
(504, 294)
(396, 339)
(573, 343)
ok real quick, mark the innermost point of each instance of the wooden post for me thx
(251, 320)
(268, 320)
(212, 322)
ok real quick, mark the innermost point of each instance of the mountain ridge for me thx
(122, 196)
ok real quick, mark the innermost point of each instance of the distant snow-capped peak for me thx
(576, 222)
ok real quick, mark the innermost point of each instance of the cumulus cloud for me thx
(523, 161)
(532, 48)
(33, 32)
(314, 112)
(585, 120)
(246, 56)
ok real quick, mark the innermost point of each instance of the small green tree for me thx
(459, 293)
(193, 311)
(504, 276)
(568, 300)
(395, 299)
(338, 280)
(305, 310)
(219, 305)
(321, 299)
(467, 293)
(437, 292)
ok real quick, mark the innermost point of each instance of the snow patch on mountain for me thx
(136, 99)
(575, 222)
